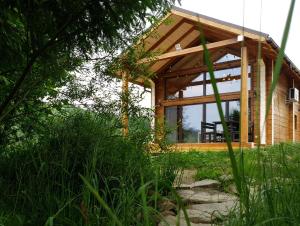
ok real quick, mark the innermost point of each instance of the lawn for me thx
(272, 172)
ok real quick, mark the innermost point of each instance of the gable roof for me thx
(181, 26)
(203, 18)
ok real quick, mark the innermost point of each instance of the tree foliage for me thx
(43, 41)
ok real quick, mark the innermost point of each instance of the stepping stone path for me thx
(204, 202)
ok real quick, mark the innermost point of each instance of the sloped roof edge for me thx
(220, 21)
(268, 38)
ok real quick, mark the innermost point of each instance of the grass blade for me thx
(101, 201)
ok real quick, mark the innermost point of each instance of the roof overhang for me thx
(181, 26)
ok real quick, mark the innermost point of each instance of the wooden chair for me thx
(208, 132)
(234, 130)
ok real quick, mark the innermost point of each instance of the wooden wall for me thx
(253, 102)
(269, 120)
(281, 114)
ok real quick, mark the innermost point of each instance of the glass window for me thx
(227, 57)
(171, 123)
(184, 122)
(191, 122)
(228, 80)
(213, 116)
(234, 110)
(184, 86)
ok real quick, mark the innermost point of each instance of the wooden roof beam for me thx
(164, 37)
(217, 24)
(195, 49)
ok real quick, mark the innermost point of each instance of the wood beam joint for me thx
(195, 49)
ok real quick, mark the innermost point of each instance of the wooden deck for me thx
(209, 146)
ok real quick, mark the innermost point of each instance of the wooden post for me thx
(262, 101)
(124, 107)
(244, 97)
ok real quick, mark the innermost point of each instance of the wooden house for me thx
(182, 93)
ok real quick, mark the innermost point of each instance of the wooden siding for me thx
(208, 146)
(282, 122)
(269, 121)
(253, 102)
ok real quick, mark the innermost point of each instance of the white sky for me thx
(274, 14)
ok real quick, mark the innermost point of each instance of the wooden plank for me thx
(214, 24)
(190, 71)
(202, 147)
(164, 37)
(185, 43)
(172, 61)
(244, 97)
(190, 50)
(199, 100)
(270, 118)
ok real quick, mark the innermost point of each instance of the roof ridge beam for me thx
(187, 51)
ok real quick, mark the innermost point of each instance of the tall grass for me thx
(274, 184)
(41, 183)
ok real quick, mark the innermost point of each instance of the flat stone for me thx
(197, 216)
(182, 186)
(171, 221)
(210, 211)
(205, 196)
(167, 213)
(207, 183)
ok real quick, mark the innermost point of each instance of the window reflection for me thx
(171, 123)
(184, 122)
(227, 57)
(228, 80)
(184, 86)
(234, 110)
(213, 116)
(191, 122)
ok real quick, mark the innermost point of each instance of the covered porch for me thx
(181, 90)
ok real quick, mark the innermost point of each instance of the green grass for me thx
(41, 183)
(208, 164)
(273, 172)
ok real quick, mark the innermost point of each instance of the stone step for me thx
(207, 183)
(205, 196)
(172, 220)
(210, 211)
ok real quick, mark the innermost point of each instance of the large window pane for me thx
(191, 122)
(171, 123)
(184, 86)
(212, 114)
(234, 110)
(227, 57)
(228, 80)
(234, 119)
